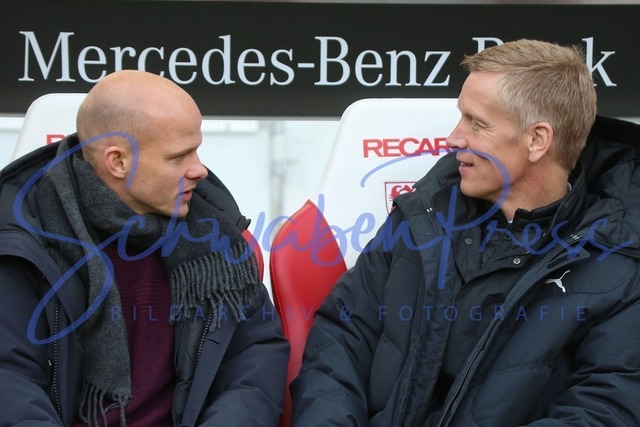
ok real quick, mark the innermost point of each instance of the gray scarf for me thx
(208, 261)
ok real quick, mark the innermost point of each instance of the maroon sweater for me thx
(145, 295)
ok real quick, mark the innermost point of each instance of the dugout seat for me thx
(48, 119)
(383, 146)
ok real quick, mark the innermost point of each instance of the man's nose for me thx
(456, 141)
(197, 171)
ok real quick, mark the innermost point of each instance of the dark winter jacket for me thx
(228, 376)
(561, 348)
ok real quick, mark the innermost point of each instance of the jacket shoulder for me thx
(30, 162)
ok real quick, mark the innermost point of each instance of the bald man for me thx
(130, 296)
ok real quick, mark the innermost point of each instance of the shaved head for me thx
(128, 108)
(128, 101)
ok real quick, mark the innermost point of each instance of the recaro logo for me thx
(398, 147)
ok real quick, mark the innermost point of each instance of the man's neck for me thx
(551, 188)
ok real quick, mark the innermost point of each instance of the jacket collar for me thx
(611, 160)
(563, 214)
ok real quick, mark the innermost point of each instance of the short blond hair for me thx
(543, 82)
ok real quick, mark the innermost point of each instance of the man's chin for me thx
(466, 188)
(469, 190)
(180, 213)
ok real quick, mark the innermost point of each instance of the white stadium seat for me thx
(49, 118)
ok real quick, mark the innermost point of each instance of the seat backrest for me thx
(305, 262)
(49, 118)
(382, 148)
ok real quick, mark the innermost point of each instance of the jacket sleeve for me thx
(605, 385)
(24, 371)
(249, 386)
(331, 388)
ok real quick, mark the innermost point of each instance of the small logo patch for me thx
(393, 189)
(558, 281)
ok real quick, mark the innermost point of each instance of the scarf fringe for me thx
(217, 279)
(93, 408)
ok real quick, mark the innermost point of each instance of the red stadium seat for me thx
(253, 243)
(305, 249)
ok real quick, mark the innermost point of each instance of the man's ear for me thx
(541, 141)
(116, 161)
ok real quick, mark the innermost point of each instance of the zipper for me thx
(207, 326)
(54, 386)
(433, 227)
(179, 329)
